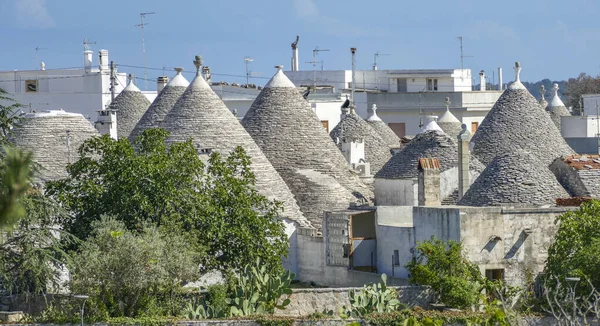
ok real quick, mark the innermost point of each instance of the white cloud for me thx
(33, 14)
(306, 8)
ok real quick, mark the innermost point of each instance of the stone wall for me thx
(307, 301)
(312, 266)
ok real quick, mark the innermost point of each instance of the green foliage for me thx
(456, 281)
(131, 274)
(432, 318)
(216, 208)
(274, 321)
(10, 116)
(253, 292)
(372, 298)
(583, 84)
(256, 292)
(32, 255)
(576, 247)
(16, 173)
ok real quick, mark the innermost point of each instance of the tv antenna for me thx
(375, 56)
(462, 55)
(314, 64)
(141, 26)
(87, 43)
(37, 51)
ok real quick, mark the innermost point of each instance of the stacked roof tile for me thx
(377, 151)
(287, 130)
(130, 106)
(517, 121)
(557, 108)
(54, 138)
(201, 115)
(384, 131)
(514, 178)
(163, 103)
(450, 124)
(427, 144)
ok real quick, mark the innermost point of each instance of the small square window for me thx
(494, 274)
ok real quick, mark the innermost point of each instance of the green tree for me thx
(583, 84)
(216, 207)
(10, 115)
(576, 247)
(16, 173)
(32, 255)
(127, 273)
(441, 265)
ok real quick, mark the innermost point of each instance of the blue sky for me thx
(552, 39)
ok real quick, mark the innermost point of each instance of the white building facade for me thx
(404, 97)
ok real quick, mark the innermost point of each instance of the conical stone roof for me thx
(428, 144)
(201, 115)
(514, 178)
(54, 138)
(518, 121)
(162, 104)
(384, 131)
(130, 106)
(287, 130)
(450, 124)
(557, 108)
(377, 151)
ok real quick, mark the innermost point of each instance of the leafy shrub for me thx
(127, 274)
(456, 281)
(372, 298)
(253, 292)
(31, 255)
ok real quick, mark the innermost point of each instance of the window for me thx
(494, 274)
(396, 258)
(432, 84)
(474, 126)
(398, 128)
(325, 124)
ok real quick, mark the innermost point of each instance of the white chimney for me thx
(161, 82)
(482, 81)
(500, 85)
(295, 54)
(103, 60)
(107, 123)
(353, 150)
(206, 74)
(87, 60)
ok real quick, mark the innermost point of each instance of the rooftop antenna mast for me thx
(87, 43)
(37, 50)
(462, 54)
(141, 25)
(314, 63)
(375, 56)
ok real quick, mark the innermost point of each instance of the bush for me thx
(456, 281)
(372, 298)
(127, 275)
(31, 255)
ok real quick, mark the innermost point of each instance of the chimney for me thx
(103, 60)
(463, 161)
(107, 123)
(500, 85)
(206, 74)
(353, 149)
(482, 81)
(87, 60)
(429, 182)
(354, 152)
(161, 82)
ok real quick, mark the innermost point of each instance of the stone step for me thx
(11, 316)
